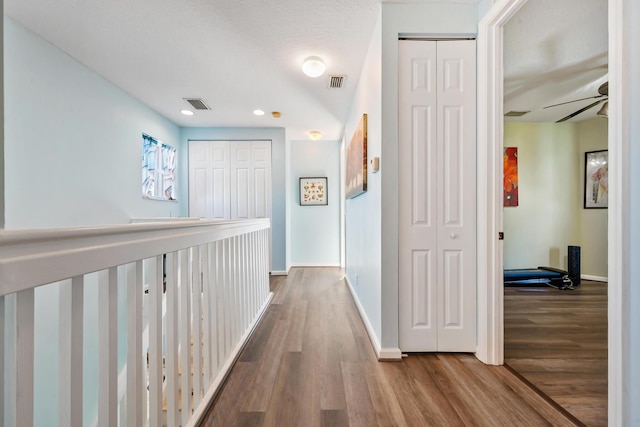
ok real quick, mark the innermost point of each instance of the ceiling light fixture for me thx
(258, 112)
(604, 111)
(187, 112)
(276, 114)
(313, 66)
(315, 135)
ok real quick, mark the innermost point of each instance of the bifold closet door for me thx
(437, 195)
(230, 179)
(209, 180)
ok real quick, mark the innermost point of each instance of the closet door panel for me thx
(417, 197)
(456, 240)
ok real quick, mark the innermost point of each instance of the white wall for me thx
(315, 230)
(592, 136)
(538, 231)
(73, 148)
(550, 215)
(278, 166)
(363, 218)
(73, 141)
(630, 288)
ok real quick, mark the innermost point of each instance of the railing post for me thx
(172, 340)
(135, 370)
(24, 357)
(71, 353)
(196, 337)
(155, 340)
(185, 336)
(108, 348)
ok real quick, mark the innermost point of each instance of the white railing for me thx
(211, 277)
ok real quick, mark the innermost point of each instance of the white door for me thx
(209, 180)
(437, 196)
(230, 179)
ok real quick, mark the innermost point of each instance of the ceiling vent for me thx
(516, 113)
(336, 81)
(197, 103)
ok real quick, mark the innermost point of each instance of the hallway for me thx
(310, 363)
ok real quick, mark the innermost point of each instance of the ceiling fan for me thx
(603, 96)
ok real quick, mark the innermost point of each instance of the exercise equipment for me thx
(548, 276)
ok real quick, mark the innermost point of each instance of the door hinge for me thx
(501, 235)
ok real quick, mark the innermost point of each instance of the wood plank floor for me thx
(310, 363)
(557, 340)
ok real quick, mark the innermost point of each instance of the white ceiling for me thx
(239, 55)
(555, 51)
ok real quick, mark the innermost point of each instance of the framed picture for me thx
(356, 179)
(596, 179)
(313, 191)
(510, 177)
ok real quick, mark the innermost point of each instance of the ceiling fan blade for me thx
(575, 100)
(582, 110)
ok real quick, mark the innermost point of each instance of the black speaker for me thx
(574, 264)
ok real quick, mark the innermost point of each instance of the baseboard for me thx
(280, 273)
(383, 354)
(594, 278)
(216, 386)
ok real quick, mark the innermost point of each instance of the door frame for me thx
(490, 145)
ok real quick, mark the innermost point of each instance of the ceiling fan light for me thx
(313, 66)
(604, 111)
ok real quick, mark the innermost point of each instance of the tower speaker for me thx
(574, 264)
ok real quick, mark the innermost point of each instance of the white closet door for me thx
(261, 164)
(209, 179)
(230, 179)
(241, 179)
(437, 196)
(417, 196)
(456, 195)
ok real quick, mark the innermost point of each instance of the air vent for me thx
(197, 103)
(336, 82)
(516, 113)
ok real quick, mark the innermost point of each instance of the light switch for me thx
(375, 164)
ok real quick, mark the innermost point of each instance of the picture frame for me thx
(596, 179)
(313, 191)
(356, 176)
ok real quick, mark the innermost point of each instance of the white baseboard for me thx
(280, 273)
(383, 354)
(594, 278)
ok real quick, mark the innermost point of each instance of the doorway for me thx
(490, 114)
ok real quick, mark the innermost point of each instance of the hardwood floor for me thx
(310, 363)
(557, 340)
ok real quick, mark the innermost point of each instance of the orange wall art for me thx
(511, 176)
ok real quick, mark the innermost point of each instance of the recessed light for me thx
(258, 112)
(187, 112)
(315, 135)
(313, 66)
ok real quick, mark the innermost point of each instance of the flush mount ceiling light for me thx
(313, 66)
(315, 135)
(258, 112)
(187, 112)
(276, 114)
